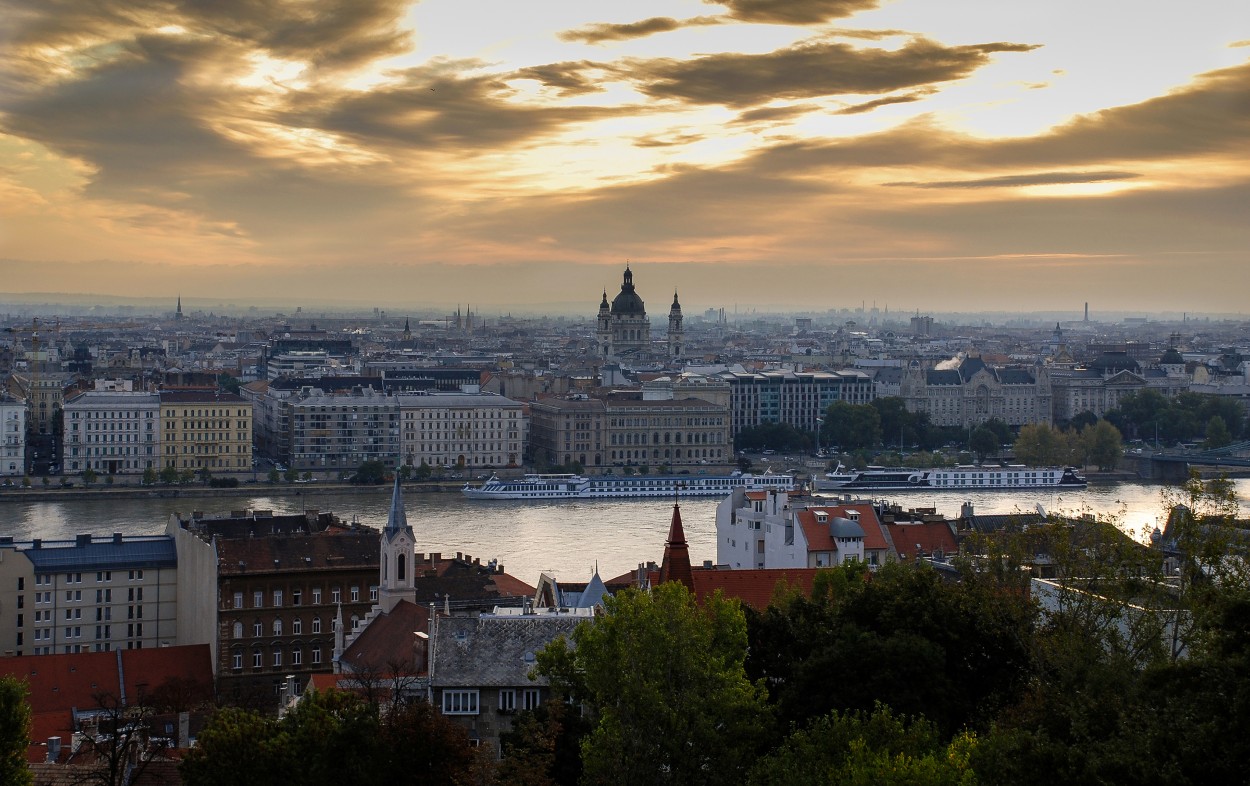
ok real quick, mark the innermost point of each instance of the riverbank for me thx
(56, 494)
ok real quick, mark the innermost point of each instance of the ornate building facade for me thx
(971, 393)
(623, 331)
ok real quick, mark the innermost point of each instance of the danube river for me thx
(567, 538)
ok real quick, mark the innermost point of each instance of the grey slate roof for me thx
(493, 651)
(844, 528)
(155, 551)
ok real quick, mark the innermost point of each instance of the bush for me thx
(223, 483)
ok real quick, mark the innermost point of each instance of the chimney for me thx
(54, 749)
(184, 730)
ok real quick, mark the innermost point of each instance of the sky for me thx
(806, 154)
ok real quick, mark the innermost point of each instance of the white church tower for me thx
(398, 582)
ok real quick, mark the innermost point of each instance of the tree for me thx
(169, 476)
(424, 471)
(1041, 445)
(371, 472)
(121, 743)
(89, 476)
(149, 476)
(544, 746)
(228, 383)
(1217, 433)
(274, 476)
(290, 475)
(663, 679)
(851, 426)
(15, 730)
(863, 748)
(983, 442)
(1103, 445)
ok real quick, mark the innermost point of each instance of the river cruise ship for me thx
(549, 487)
(1013, 477)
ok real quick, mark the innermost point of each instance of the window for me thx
(507, 700)
(336, 595)
(297, 657)
(373, 592)
(460, 702)
(316, 655)
(238, 600)
(238, 630)
(257, 659)
(277, 598)
(355, 594)
(277, 658)
(297, 626)
(237, 660)
(258, 599)
(316, 596)
(257, 629)
(297, 597)
(529, 699)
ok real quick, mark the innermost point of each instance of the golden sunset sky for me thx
(806, 154)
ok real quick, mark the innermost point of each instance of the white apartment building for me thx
(112, 431)
(12, 436)
(771, 529)
(87, 595)
(473, 430)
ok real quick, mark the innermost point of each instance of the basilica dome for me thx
(627, 303)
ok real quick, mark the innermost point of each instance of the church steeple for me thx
(676, 564)
(397, 581)
(178, 311)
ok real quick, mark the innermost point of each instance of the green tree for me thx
(663, 678)
(274, 476)
(1103, 445)
(1217, 433)
(15, 730)
(149, 476)
(169, 476)
(862, 748)
(983, 442)
(851, 426)
(371, 472)
(1041, 445)
(228, 383)
(424, 471)
(89, 476)
(290, 475)
(235, 748)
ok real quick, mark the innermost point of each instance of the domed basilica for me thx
(623, 331)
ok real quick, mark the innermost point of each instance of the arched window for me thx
(401, 568)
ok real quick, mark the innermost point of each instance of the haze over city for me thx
(805, 155)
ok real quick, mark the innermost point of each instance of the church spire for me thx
(676, 564)
(397, 520)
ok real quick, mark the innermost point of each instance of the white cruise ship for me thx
(549, 487)
(1013, 477)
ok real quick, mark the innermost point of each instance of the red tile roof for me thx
(390, 641)
(868, 521)
(754, 588)
(931, 536)
(58, 684)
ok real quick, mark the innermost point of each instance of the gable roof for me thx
(390, 641)
(755, 588)
(929, 536)
(491, 651)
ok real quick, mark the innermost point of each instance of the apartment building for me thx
(88, 594)
(12, 436)
(112, 430)
(265, 592)
(205, 430)
(338, 432)
(472, 430)
(796, 398)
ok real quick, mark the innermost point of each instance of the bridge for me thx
(1175, 465)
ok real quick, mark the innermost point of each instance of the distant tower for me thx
(1087, 311)
(674, 330)
(178, 311)
(603, 332)
(624, 328)
(407, 330)
(398, 582)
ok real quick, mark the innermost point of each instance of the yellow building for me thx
(205, 430)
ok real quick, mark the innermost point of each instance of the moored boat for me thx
(985, 478)
(565, 486)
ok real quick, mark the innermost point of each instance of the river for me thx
(567, 538)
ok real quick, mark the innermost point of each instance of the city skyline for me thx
(961, 156)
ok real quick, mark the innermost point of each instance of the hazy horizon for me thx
(806, 154)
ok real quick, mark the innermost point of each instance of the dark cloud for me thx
(600, 32)
(810, 70)
(432, 109)
(569, 78)
(1031, 179)
(793, 12)
(771, 114)
(868, 106)
(328, 34)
